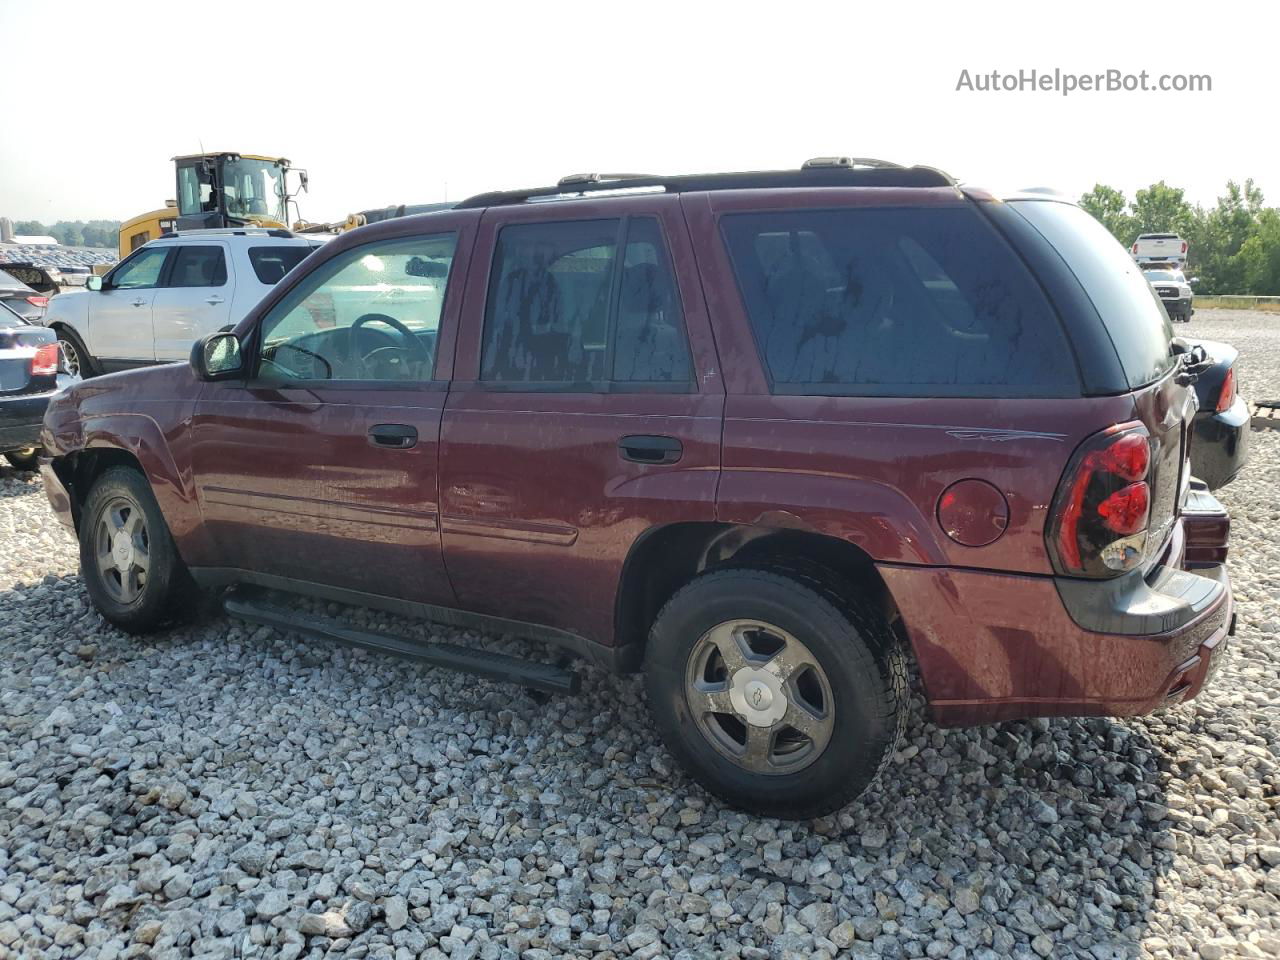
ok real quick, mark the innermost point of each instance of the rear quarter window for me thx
(896, 302)
(270, 264)
(1130, 309)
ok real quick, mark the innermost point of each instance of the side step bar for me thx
(249, 606)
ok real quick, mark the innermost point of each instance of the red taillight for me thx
(1125, 511)
(38, 301)
(1184, 246)
(45, 362)
(1135, 248)
(1099, 520)
(1227, 395)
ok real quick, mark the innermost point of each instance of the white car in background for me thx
(153, 305)
(1151, 247)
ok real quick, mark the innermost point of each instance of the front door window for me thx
(372, 313)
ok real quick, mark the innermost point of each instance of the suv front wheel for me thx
(774, 692)
(75, 358)
(130, 565)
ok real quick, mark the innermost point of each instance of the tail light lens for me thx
(1098, 526)
(45, 362)
(38, 301)
(1184, 246)
(1227, 395)
(1135, 248)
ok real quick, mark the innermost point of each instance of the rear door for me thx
(194, 299)
(120, 313)
(585, 410)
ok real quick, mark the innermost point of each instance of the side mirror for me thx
(217, 357)
(1194, 280)
(93, 283)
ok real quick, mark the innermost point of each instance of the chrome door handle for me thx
(139, 302)
(213, 301)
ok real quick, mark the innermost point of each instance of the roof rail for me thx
(232, 232)
(575, 179)
(819, 172)
(817, 162)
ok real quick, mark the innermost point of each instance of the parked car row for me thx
(29, 376)
(761, 436)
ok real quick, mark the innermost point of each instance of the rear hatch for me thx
(1139, 330)
(28, 357)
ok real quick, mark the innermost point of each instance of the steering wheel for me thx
(412, 345)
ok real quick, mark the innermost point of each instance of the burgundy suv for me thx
(763, 436)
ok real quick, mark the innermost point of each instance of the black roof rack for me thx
(819, 172)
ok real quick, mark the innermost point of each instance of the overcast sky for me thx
(415, 102)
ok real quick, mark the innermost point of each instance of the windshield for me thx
(254, 188)
(1168, 276)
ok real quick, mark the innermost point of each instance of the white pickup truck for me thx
(1155, 247)
(153, 305)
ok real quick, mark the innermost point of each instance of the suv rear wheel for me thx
(775, 693)
(130, 565)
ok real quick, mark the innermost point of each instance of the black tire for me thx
(77, 357)
(28, 459)
(856, 650)
(166, 593)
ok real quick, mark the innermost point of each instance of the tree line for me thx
(73, 233)
(1233, 247)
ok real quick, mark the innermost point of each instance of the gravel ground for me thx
(223, 791)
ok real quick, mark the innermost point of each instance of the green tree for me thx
(1260, 255)
(1160, 208)
(30, 228)
(1110, 208)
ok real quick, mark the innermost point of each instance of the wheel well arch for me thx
(665, 558)
(78, 471)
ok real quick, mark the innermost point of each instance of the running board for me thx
(243, 605)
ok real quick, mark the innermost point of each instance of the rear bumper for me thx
(995, 646)
(1220, 443)
(20, 420)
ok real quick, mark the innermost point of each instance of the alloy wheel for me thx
(121, 547)
(760, 697)
(70, 357)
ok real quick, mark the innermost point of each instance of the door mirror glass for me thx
(93, 283)
(217, 357)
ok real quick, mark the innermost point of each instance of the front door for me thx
(321, 468)
(585, 409)
(120, 313)
(195, 299)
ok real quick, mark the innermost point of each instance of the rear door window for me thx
(1131, 311)
(198, 266)
(270, 264)
(564, 311)
(895, 302)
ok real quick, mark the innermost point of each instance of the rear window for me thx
(10, 281)
(1130, 309)
(895, 302)
(270, 264)
(9, 319)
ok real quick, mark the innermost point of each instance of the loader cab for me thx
(218, 190)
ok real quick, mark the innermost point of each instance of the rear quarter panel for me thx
(872, 470)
